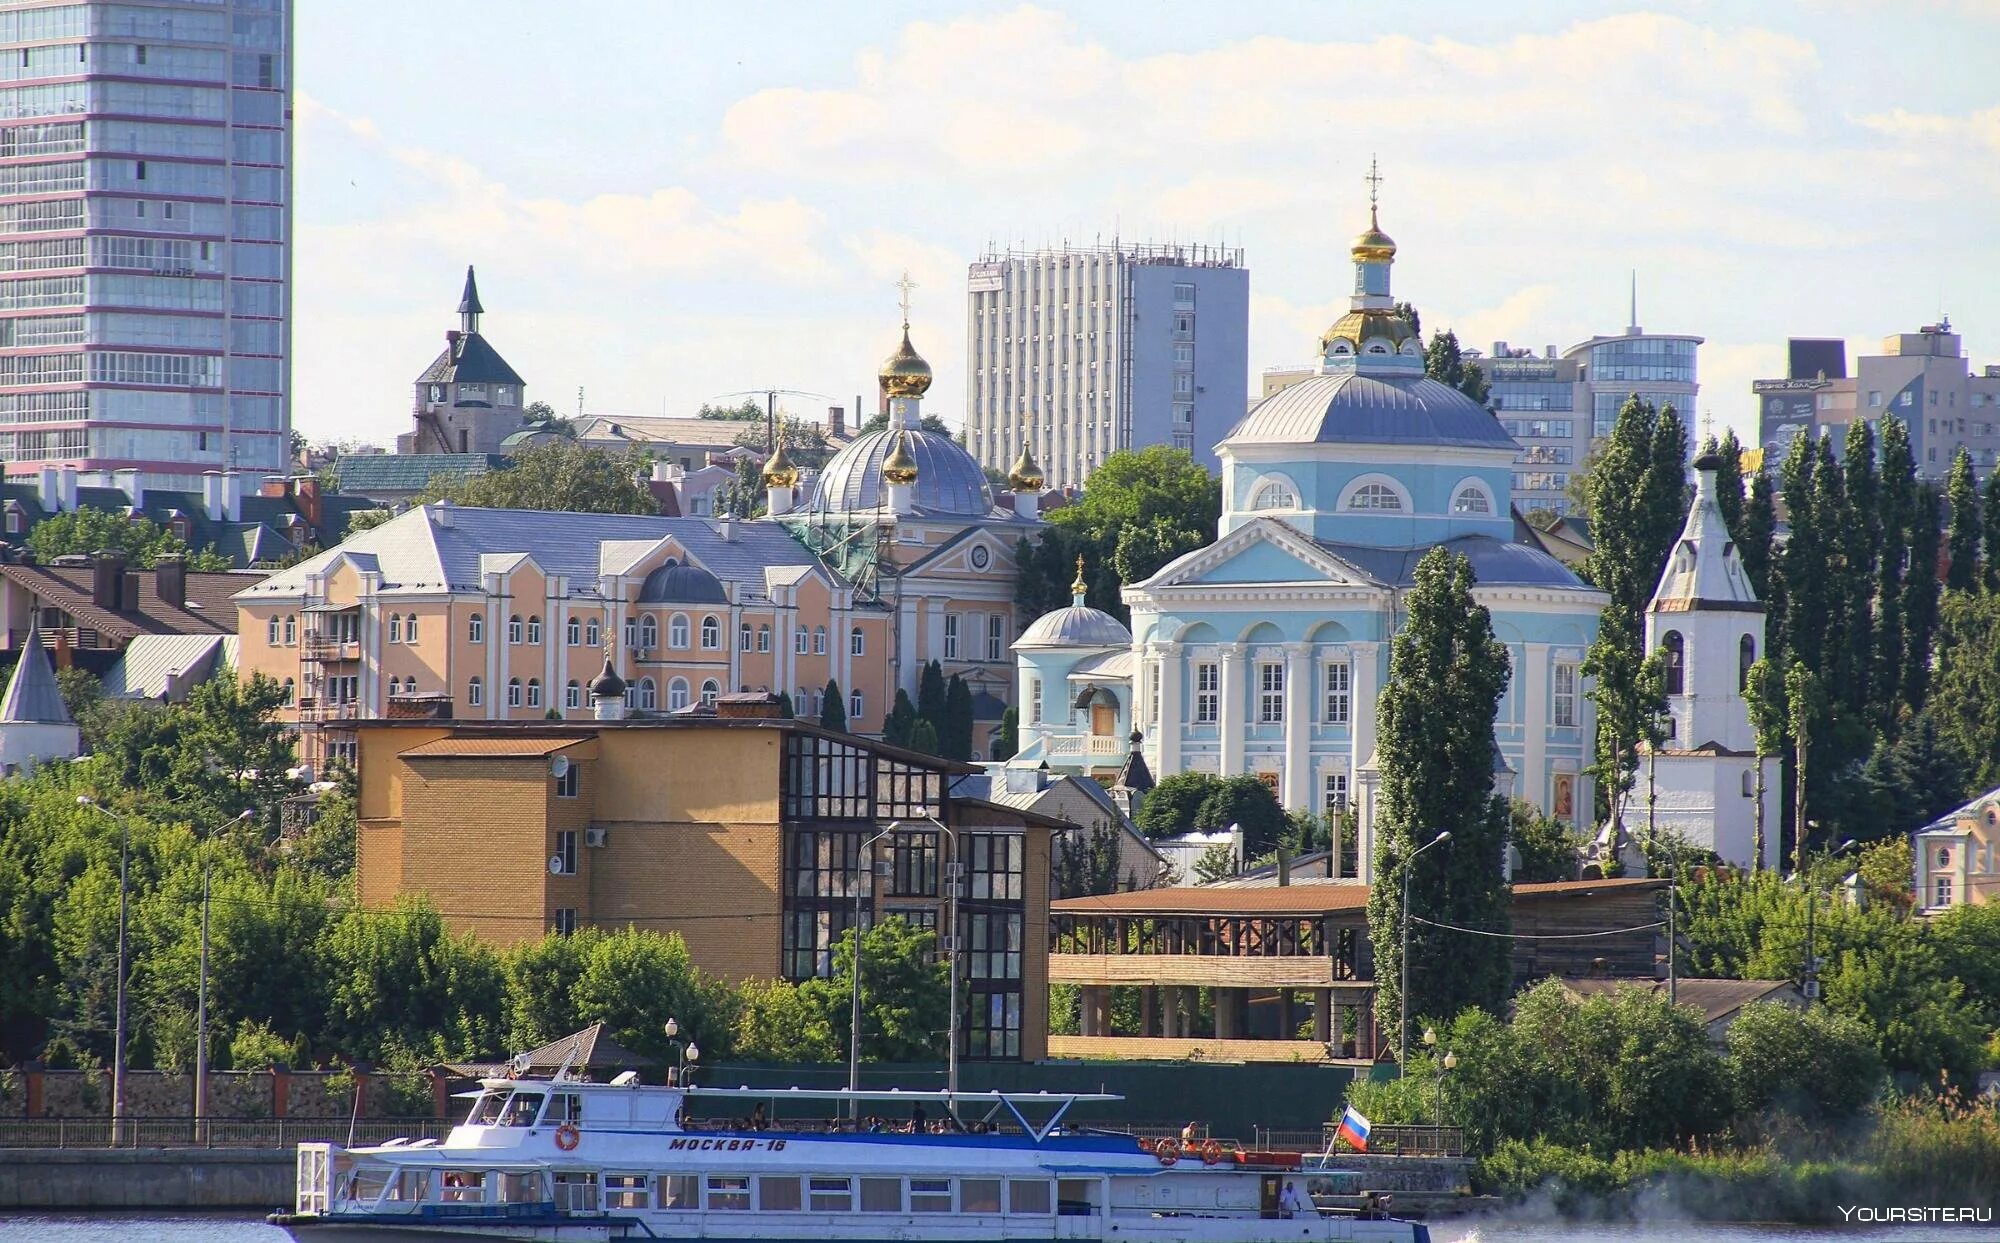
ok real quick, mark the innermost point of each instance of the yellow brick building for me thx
(743, 834)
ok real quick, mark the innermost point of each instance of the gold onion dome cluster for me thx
(905, 373)
(779, 472)
(1026, 475)
(899, 467)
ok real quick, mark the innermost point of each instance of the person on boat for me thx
(759, 1120)
(1189, 1133)
(1291, 1200)
(917, 1118)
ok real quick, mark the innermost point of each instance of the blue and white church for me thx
(1265, 652)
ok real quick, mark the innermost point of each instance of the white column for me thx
(907, 664)
(1296, 786)
(1166, 737)
(1235, 696)
(496, 635)
(1532, 783)
(934, 632)
(554, 643)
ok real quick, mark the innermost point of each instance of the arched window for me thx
(572, 695)
(819, 640)
(534, 692)
(1746, 656)
(743, 633)
(291, 630)
(513, 692)
(1375, 496)
(1749, 784)
(475, 628)
(677, 694)
(271, 632)
(291, 689)
(1673, 651)
(649, 632)
(515, 632)
(1275, 496)
(857, 643)
(763, 638)
(592, 632)
(1944, 857)
(711, 634)
(573, 632)
(534, 630)
(475, 692)
(709, 691)
(677, 631)
(648, 696)
(395, 627)
(410, 628)
(1471, 500)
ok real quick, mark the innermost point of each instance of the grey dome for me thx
(674, 583)
(1076, 626)
(1349, 408)
(949, 481)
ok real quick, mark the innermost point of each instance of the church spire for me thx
(469, 309)
(1704, 572)
(1373, 335)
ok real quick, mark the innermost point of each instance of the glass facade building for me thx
(145, 223)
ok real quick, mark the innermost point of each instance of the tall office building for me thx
(1081, 352)
(145, 221)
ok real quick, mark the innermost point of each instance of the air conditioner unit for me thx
(597, 837)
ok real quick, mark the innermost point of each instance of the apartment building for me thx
(145, 221)
(1079, 352)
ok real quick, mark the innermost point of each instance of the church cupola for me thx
(1374, 336)
(469, 309)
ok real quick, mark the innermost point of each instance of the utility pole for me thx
(201, 1002)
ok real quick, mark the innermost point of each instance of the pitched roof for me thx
(1704, 571)
(468, 359)
(1716, 999)
(468, 303)
(32, 695)
(209, 606)
(260, 533)
(1495, 563)
(491, 748)
(409, 472)
(596, 1051)
(156, 666)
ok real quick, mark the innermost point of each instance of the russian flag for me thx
(1354, 1129)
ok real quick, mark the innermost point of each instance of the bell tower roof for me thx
(1705, 571)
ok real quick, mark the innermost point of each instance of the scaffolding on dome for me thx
(853, 546)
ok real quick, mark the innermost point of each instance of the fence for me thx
(1411, 1141)
(210, 1132)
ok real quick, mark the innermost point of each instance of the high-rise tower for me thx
(145, 222)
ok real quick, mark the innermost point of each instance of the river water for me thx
(162, 1228)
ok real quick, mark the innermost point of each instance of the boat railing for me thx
(212, 1132)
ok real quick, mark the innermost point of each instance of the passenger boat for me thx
(571, 1161)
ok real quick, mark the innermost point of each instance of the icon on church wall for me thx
(1565, 802)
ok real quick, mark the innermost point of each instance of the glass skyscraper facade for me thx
(145, 227)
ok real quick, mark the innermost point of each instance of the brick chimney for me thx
(307, 493)
(170, 580)
(107, 581)
(836, 422)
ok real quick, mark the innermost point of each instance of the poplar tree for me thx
(1841, 584)
(1990, 510)
(1447, 672)
(1803, 563)
(1896, 509)
(955, 730)
(1764, 691)
(1754, 539)
(1729, 481)
(1863, 546)
(1920, 596)
(1962, 548)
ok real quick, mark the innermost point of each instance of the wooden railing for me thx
(210, 1132)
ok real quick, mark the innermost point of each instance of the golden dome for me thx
(1026, 476)
(905, 374)
(1360, 326)
(779, 471)
(1079, 587)
(899, 466)
(1374, 246)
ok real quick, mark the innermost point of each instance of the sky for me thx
(671, 203)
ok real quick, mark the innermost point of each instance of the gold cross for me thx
(1374, 180)
(906, 285)
(1708, 424)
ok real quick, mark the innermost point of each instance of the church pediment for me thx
(1265, 551)
(977, 553)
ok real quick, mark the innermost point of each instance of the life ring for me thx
(567, 1137)
(1168, 1151)
(1211, 1152)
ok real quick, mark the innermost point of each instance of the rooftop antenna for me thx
(579, 401)
(1632, 324)
(770, 396)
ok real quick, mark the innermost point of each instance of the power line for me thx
(1539, 936)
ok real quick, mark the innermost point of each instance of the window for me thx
(592, 632)
(799, 641)
(743, 637)
(515, 632)
(763, 638)
(1941, 891)
(1029, 1195)
(534, 630)
(996, 635)
(1153, 693)
(291, 630)
(565, 852)
(914, 866)
(1471, 500)
(1034, 700)
(830, 1195)
(1749, 784)
(1673, 650)
(1275, 496)
(1944, 857)
(475, 692)
(709, 692)
(572, 695)
(410, 628)
(573, 632)
(1339, 692)
(513, 692)
(728, 1191)
(857, 644)
(395, 628)
(930, 1195)
(677, 694)
(270, 627)
(678, 631)
(291, 690)
(711, 634)
(624, 1191)
(978, 1195)
(1375, 496)
(819, 640)
(778, 1194)
(1746, 656)
(1335, 794)
(1563, 704)
(1271, 693)
(1207, 682)
(534, 692)
(951, 636)
(678, 1191)
(854, 710)
(881, 1195)
(565, 921)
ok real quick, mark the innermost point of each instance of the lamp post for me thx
(954, 875)
(201, 994)
(1809, 977)
(1403, 1023)
(118, 1021)
(854, 1004)
(1448, 1064)
(690, 1053)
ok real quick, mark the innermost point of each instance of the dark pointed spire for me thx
(469, 309)
(32, 695)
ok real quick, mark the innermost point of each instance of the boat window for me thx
(831, 1195)
(930, 1195)
(1028, 1195)
(411, 1185)
(1075, 1196)
(486, 1110)
(778, 1195)
(568, 1107)
(978, 1195)
(881, 1195)
(576, 1192)
(519, 1188)
(624, 1191)
(522, 1109)
(678, 1191)
(728, 1191)
(366, 1186)
(462, 1187)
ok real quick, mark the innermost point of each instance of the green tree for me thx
(1910, 779)
(779, 1021)
(1812, 1064)
(1861, 548)
(635, 980)
(1155, 503)
(1764, 692)
(540, 978)
(1804, 705)
(365, 520)
(396, 978)
(1962, 544)
(1805, 561)
(904, 993)
(742, 411)
(955, 730)
(1547, 847)
(1760, 524)
(1170, 807)
(832, 708)
(220, 752)
(805, 441)
(1008, 741)
(86, 531)
(560, 475)
(1447, 673)
(1247, 802)
(1896, 509)
(786, 709)
(1217, 862)
(901, 720)
(1966, 704)
(1729, 496)
(929, 423)
(931, 692)
(1086, 861)
(1989, 508)
(924, 738)
(1920, 597)
(1445, 363)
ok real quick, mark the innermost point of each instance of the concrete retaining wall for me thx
(154, 1178)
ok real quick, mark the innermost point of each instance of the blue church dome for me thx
(949, 482)
(674, 583)
(1076, 626)
(1351, 407)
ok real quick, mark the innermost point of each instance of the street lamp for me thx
(690, 1053)
(1448, 1064)
(1809, 977)
(1403, 1024)
(201, 1003)
(118, 1021)
(854, 1004)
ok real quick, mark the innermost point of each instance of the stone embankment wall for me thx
(145, 1178)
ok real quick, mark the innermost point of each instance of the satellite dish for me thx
(555, 865)
(559, 767)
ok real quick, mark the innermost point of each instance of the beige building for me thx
(1957, 857)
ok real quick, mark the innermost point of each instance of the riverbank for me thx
(145, 1178)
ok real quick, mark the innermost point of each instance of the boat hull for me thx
(1166, 1228)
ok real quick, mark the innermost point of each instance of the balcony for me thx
(327, 648)
(316, 711)
(1094, 745)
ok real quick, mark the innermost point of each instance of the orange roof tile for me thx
(492, 748)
